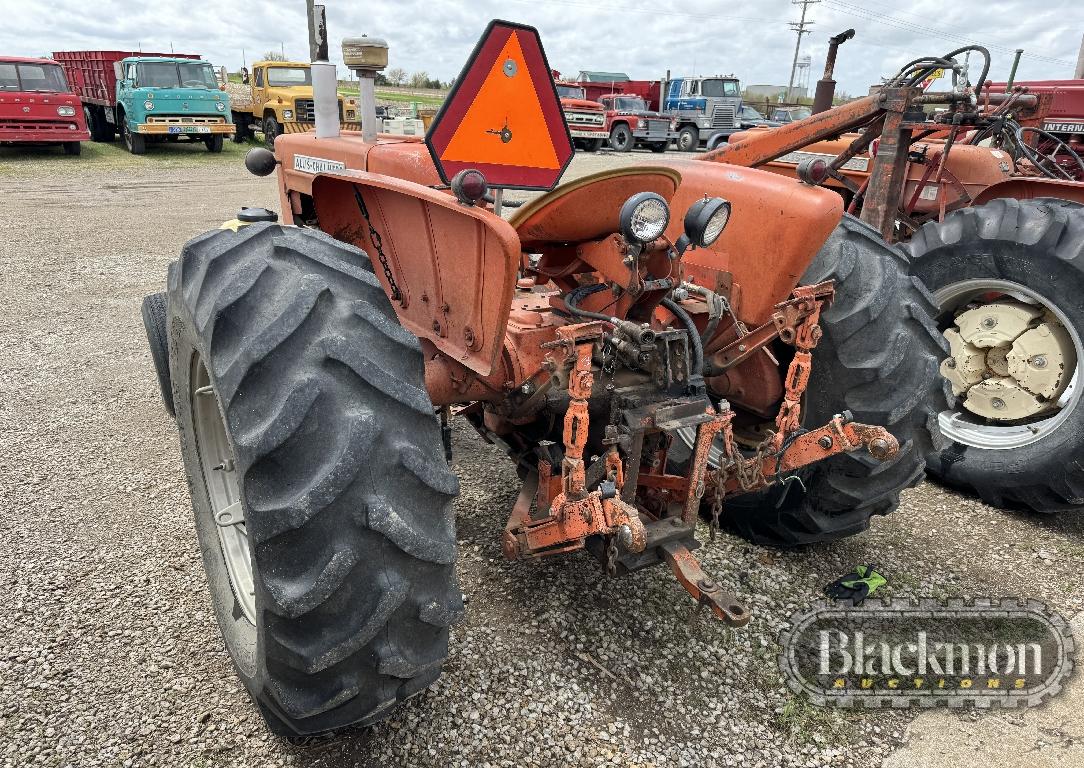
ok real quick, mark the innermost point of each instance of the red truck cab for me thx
(586, 119)
(38, 107)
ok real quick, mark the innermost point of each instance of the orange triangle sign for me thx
(503, 116)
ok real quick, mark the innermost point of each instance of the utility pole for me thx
(1079, 74)
(800, 28)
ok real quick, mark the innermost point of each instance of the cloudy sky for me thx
(752, 40)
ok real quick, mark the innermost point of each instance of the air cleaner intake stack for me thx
(366, 56)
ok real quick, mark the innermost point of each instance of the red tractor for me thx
(648, 344)
(982, 195)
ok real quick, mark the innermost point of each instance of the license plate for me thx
(189, 129)
(587, 134)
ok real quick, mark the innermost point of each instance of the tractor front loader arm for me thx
(760, 148)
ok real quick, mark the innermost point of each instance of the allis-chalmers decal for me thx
(307, 164)
(1008, 653)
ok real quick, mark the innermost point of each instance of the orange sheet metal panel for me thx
(454, 265)
(776, 227)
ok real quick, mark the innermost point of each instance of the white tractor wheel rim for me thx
(221, 480)
(962, 426)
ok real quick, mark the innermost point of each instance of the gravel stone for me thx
(110, 653)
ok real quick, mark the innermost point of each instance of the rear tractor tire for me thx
(878, 358)
(1008, 278)
(322, 498)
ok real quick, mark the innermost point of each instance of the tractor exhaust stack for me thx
(325, 78)
(826, 86)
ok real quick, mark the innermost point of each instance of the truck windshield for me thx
(571, 92)
(720, 88)
(44, 78)
(630, 103)
(170, 74)
(284, 77)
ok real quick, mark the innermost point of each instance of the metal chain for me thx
(378, 244)
(609, 364)
(611, 557)
(717, 504)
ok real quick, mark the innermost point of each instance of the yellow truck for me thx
(279, 100)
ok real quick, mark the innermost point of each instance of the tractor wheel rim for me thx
(222, 483)
(960, 424)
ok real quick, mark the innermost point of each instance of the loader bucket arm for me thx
(449, 269)
(754, 151)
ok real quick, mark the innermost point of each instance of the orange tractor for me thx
(648, 344)
(983, 198)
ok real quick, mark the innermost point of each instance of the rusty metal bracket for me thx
(784, 324)
(702, 587)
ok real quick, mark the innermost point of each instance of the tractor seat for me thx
(588, 208)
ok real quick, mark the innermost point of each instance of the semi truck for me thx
(280, 101)
(148, 97)
(37, 106)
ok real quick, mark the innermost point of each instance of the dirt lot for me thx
(110, 654)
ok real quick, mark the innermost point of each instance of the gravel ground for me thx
(110, 654)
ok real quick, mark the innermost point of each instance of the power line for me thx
(713, 17)
(800, 28)
(925, 30)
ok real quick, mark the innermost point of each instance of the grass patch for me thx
(804, 720)
(95, 155)
(404, 98)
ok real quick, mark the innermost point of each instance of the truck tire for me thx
(154, 323)
(214, 143)
(1035, 250)
(688, 139)
(621, 138)
(73, 147)
(271, 131)
(303, 414)
(658, 146)
(136, 143)
(878, 358)
(242, 131)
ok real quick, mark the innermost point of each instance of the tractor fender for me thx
(1032, 189)
(454, 266)
(777, 226)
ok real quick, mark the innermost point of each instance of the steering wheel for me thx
(193, 84)
(1046, 160)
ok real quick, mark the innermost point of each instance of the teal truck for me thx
(149, 97)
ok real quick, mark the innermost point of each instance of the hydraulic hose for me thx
(694, 334)
(717, 306)
(576, 295)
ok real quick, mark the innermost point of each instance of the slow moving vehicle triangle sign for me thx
(503, 116)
